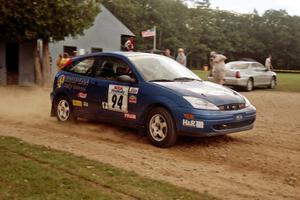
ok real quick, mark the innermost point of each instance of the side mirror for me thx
(125, 79)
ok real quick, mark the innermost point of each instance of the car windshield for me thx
(233, 65)
(160, 68)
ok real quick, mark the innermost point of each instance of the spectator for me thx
(167, 53)
(129, 44)
(62, 60)
(268, 63)
(217, 62)
(58, 61)
(181, 58)
(75, 53)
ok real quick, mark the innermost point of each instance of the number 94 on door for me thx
(118, 98)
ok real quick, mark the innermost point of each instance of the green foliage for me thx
(43, 19)
(200, 30)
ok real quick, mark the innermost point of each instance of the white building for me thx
(17, 63)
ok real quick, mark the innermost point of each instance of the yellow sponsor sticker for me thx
(60, 81)
(77, 103)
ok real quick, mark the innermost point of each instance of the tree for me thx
(46, 20)
(197, 3)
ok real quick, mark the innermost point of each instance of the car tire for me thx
(63, 109)
(161, 129)
(272, 83)
(250, 85)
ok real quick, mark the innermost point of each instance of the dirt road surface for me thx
(263, 163)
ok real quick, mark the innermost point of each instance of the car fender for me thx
(158, 101)
(58, 93)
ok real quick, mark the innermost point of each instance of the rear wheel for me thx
(272, 83)
(249, 86)
(63, 109)
(161, 128)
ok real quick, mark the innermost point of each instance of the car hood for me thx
(214, 93)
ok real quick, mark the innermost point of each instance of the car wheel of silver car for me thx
(64, 109)
(249, 86)
(273, 83)
(161, 128)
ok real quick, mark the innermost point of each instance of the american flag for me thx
(149, 33)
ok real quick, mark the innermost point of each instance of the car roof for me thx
(116, 53)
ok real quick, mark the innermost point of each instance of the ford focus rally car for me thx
(150, 92)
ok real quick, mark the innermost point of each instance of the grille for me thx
(233, 125)
(236, 106)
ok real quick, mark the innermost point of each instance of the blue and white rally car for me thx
(150, 92)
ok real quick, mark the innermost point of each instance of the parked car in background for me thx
(248, 74)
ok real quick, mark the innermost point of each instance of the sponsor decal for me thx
(133, 90)
(77, 103)
(129, 116)
(82, 95)
(85, 104)
(104, 105)
(132, 99)
(60, 81)
(75, 83)
(116, 89)
(118, 98)
(193, 123)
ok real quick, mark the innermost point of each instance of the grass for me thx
(287, 82)
(202, 74)
(36, 172)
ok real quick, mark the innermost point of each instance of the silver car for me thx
(248, 74)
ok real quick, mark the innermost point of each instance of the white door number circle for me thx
(118, 98)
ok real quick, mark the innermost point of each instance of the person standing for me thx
(217, 62)
(62, 61)
(129, 44)
(181, 58)
(167, 53)
(268, 63)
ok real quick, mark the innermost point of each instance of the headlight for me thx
(247, 104)
(200, 103)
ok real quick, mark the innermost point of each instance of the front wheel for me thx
(63, 109)
(161, 129)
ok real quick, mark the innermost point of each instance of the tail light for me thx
(237, 74)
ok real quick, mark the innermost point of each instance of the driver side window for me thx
(110, 68)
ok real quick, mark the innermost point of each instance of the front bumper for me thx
(212, 123)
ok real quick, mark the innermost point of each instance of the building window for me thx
(94, 50)
(71, 50)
